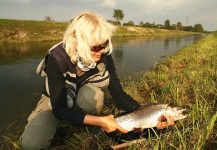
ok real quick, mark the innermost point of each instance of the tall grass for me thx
(187, 78)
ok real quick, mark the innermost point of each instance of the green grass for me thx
(16, 31)
(30, 31)
(187, 78)
(141, 31)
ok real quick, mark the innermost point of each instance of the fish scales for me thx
(147, 116)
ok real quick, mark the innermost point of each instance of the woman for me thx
(77, 70)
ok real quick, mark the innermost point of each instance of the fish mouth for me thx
(181, 114)
(177, 113)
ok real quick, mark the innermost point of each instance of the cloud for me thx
(162, 6)
(109, 3)
(24, 1)
(19, 2)
(199, 11)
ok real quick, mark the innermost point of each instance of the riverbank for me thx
(186, 78)
(16, 31)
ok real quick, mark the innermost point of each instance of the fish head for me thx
(175, 112)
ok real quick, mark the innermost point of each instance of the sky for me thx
(188, 12)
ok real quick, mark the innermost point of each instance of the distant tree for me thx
(141, 23)
(167, 24)
(173, 27)
(118, 14)
(160, 26)
(48, 18)
(198, 28)
(147, 24)
(188, 28)
(130, 23)
(114, 22)
(150, 25)
(154, 25)
(179, 26)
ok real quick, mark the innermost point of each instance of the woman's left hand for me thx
(164, 122)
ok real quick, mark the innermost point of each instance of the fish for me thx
(147, 116)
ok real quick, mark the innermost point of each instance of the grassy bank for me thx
(13, 31)
(186, 78)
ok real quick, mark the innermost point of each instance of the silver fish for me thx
(147, 116)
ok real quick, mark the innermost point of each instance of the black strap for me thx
(62, 59)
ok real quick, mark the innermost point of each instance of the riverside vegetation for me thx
(13, 31)
(186, 78)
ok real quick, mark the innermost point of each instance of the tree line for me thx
(119, 15)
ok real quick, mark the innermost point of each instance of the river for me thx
(20, 86)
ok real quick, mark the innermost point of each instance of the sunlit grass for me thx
(16, 31)
(30, 31)
(187, 78)
(8, 144)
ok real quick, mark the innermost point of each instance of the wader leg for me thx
(41, 127)
(90, 99)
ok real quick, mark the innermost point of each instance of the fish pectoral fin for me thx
(118, 133)
(165, 121)
(163, 118)
(137, 129)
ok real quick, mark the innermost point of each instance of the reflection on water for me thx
(139, 54)
(11, 53)
(20, 87)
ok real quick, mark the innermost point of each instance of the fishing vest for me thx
(98, 76)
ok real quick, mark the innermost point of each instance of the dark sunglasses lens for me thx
(99, 48)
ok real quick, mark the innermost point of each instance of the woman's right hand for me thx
(109, 124)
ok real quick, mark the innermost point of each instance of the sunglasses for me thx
(99, 47)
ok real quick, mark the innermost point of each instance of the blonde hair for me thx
(80, 33)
